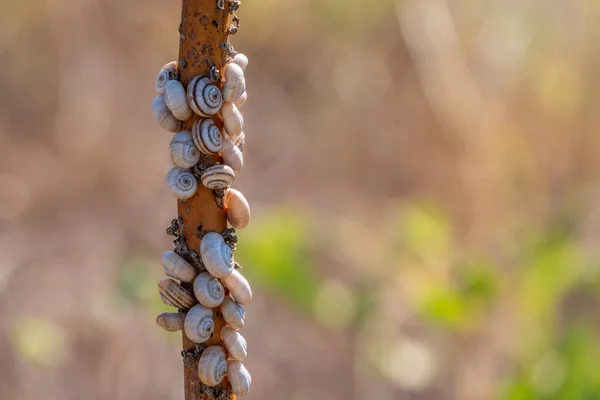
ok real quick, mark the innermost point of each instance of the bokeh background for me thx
(424, 177)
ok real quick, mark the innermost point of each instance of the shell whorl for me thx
(204, 97)
(235, 83)
(232, 119)
(233, 313)
(199, 324)
(235, 343)
(207, 136)
(209, 290)
(232, 155)
(172, 294)
(239, 287)
(241, 60)
(218, 177)
(167, 73)
(184, 152)
(239, 377)
(177, 267)
(183, 183)
(212, 366)
(237, 208)
(176, 100)
(216, 255)
(164, 116)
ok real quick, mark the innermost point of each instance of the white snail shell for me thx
(234, 343)
(176, 267)
(235, 84)
(233, 314)
(208, 290)
(207, 136)
(216, 255)
(174, 295)
(232, 155)
(239, 377)
(238, 286)
(218, 177)
(199, 324)
(240, 60)
(212, 366)
(166, 74)
(240, 102)
(240, 141)
(232, 119)
(237, 208)
(176, 101)
(182, 183)
(171, 322)
(204, 97)
(164, 116)
(184, 152)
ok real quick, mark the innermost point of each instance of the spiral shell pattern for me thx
(199, 324)
(174, 295)
(212, 366)
(166, 74)
(183, 183)
(207, 136)
(184, 152)
(208, 290)
(204, 97)
(218, 177)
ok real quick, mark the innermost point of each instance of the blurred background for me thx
(425, 183)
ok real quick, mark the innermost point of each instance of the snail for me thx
(182, 183)
(204, 97)
(199, 324)
(240, 60)
(240, 141)
(233, 314)
(176, 100)
(171, 322)
(217, 177)
(237, 207)
(166, 74)
(239, 377)
(235, 84)
(208, 290)
(174, 295)
(216, 255)
(232, 119)
(232, 155)
(212, 366)
(176, 267)
(164, 116)
(242, 100)
(207, 136)
(234, 343)
(238, 286)
(184, 152)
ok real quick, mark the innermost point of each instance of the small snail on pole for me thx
(199, 97)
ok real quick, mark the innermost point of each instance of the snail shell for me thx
(240, 141)
(240, 60)
(232, 119)
(204, 97)
(234, 343)
(176, 267)
(237, 207)
(164, 116)
(182, 183)
(199, 324)
(239, 377)
(212, 366)
(174, 295)
(235, 84)
(184, 152)
(233, 314)
(166, 74)
(176, 101)
(232, 155)
(240, 102)
(216, 255)
(208, 290)
(238, 286)
(207, 136)
(218, 177)
(171, 322)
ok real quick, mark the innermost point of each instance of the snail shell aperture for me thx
(164, 116)
(238, 286)
(235, 84)
(199, 324)
(232, 120)
(233, 314)
(182, 183)
(176, 101)
(184, 152)
(204, 97)
(166, 74)
(239, 377)
(176, 267)
(208, 290)
(216, 255)
(212, 366)
(234, 343)
(207, 136)
(218, 177)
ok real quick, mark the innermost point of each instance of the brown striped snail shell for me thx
(212, 366)
(176, 101)
(232, 155)
(233, 313)
(238, 287)
(207, 136)
(237, 208)
(182, 183)
(239, 377)
(199, 324)
(176, 267)
(232, 119)
(240, 60)
(171, 322)
(164, 116)
(204, 97)
(235, 84)
(234, 343)
(166, 74)
(209, 290)
(174, 295)
(240, 102)
(184, 152)
(218, 177)
(216, 255)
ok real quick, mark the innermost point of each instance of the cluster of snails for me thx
(217, 284)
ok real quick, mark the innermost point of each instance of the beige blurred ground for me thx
(435, 163)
